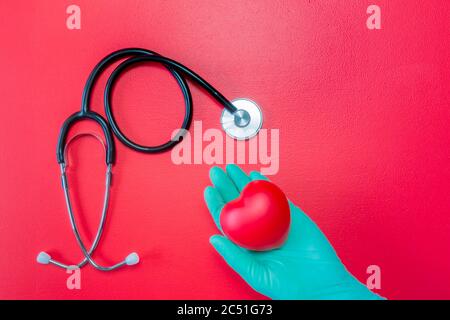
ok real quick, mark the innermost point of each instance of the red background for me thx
(364, 138)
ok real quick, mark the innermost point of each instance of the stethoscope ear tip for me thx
(43, 258)
(132, 259)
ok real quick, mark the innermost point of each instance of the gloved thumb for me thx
(239, 259)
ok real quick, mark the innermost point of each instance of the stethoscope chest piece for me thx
(245, 123)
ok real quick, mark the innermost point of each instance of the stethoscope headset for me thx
(241, 119)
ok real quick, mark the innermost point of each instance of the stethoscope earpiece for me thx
(43, 258)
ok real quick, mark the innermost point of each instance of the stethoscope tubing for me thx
(134, 56)
(149, 56)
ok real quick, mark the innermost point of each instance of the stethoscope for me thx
(241, 119)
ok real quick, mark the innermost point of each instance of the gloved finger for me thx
(239, 178)
(215, 203)
(255, 175)
(237, 258)
(223, 184)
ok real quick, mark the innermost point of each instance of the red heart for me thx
(259, 219)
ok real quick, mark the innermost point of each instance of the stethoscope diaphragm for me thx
(245, 123)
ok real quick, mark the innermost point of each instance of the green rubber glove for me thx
(305, 267)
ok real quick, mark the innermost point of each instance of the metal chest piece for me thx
(245, 123)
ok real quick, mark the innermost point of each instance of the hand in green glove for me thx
(305, 267)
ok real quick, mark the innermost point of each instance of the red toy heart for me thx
(259, 219)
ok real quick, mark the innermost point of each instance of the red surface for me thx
(364, 138)
(259, 219)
